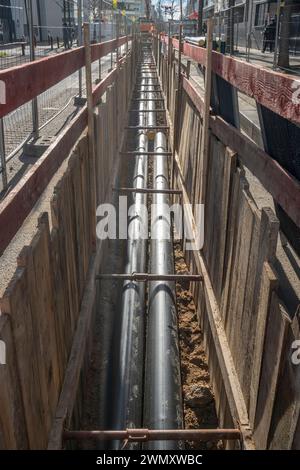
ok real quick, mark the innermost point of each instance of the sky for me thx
(168, 2)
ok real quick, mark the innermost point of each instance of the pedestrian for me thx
(66, 36)
(269, 36)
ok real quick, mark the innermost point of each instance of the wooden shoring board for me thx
(16, 303)
(69, 391)
(41, 289)
(284, 429)
(91, 131)
(205, 135)
(220, 173)
(13, 432)
(276, 331)
(268, 285)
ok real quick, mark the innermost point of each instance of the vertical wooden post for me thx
(204, 149)
(91, 129)
(177, 107)
(179, 57)
(169, 64)
(2, 155)
(127, 35)
(79, 43)
(117, 36)
(178, 91)
(117, 77)
(34, 102)
(159, 53)
(100, 37)
(188, 69)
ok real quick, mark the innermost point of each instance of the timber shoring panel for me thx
(247, 333)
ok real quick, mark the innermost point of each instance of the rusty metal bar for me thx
(148, 111)
(152, 154)
(146, 128)
(138, 90)
(144, 435)
(149, 88)
(147, 191)
(144, 277)
(148, 99)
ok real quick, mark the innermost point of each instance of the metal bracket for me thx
(147, 191)
(144, 277)
(146, 128)
(142, 435)
(150, 154)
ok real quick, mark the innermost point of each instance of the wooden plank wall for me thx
(238, 253)
(43, 301)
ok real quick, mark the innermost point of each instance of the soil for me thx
(198, 398)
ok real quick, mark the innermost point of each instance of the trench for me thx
(148, 368)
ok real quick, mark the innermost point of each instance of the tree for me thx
(94, 15)
(170, 9)
(284, 38)
(230, 26)
(93, 9)
(200, 18)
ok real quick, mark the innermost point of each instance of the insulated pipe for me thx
(128, 355)
(163, 398)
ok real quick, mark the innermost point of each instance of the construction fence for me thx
(47, 115)
(266, 32)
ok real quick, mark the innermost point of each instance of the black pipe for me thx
(129, 337)
(163, 398)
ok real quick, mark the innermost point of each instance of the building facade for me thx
(240, 21)
(49, 17)
(134, 8)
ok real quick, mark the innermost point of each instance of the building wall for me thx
(47, 18)
(134, 8)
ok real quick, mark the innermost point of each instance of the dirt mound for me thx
(198, 399)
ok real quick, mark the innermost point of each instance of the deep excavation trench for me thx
(123, 377)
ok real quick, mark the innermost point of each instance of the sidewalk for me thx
(258, 57)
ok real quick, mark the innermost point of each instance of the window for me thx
(261, 12)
